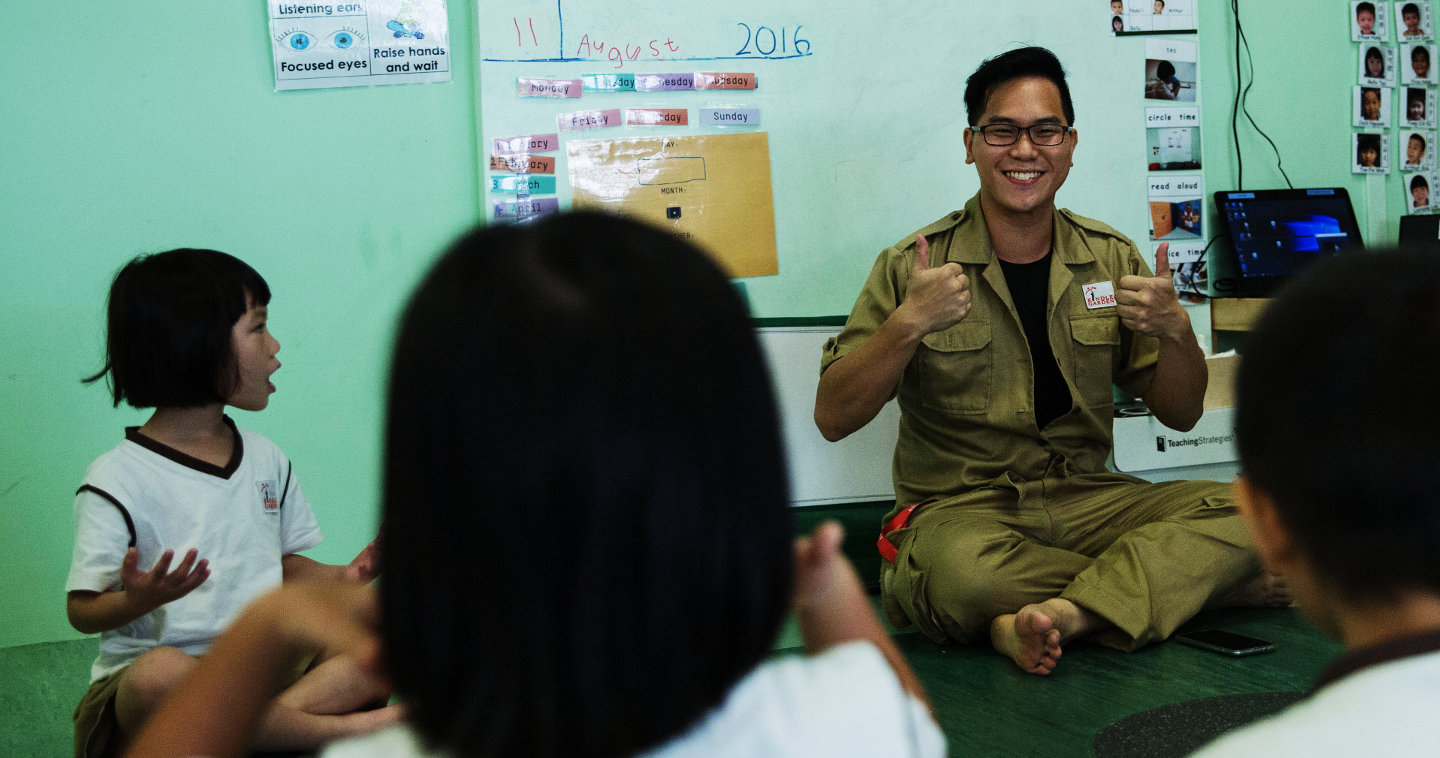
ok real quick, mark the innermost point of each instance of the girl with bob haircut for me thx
(187, 334)
(586, 534)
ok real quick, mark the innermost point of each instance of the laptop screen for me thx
(1274, 233)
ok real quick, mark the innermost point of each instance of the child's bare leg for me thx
(320, 707)
(146, 682)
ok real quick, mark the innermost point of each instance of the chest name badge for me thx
(1099, 295)
(269, 499)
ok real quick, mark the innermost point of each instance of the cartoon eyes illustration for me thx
(299, 41)
(345, 39)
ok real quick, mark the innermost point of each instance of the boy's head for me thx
(168, 327)
(1410, 14)
(1336, 430)
(580, 421)
(1414, 149)
(1420, 61)
(1165, 71)
(1021, 63)
(1117, 6)
(1365, 17)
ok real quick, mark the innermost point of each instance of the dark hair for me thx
(1362, 7)
(1165, 70)
(1417, 137)
(1374, 52)
(1418, 182)
(1419, 51)
(1335, 418)
(1414, 95)
(167, 327)
(1409, 8)
(1009, 66)
(1161, 2)
(586, 531)
(1365, 142)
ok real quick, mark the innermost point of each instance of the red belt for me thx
(887, 549)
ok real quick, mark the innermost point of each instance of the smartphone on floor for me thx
(1225, 643)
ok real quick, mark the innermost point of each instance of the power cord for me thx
(1239, 106)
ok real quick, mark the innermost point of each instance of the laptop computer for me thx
(1274, 233)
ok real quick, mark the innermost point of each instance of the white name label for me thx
(1099, 295)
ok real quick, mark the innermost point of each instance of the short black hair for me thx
(1419, 51)
(586, 534)
(1417, 137)
(1008, 66)
(1335, 418)
(1362, 7)
(1409, 8)
(1164, 70)
(168, 327)
(1419, 181)
(1365, 142)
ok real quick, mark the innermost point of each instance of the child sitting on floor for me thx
(187, 336)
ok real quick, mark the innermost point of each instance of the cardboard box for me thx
(1220, 392)
(1142, 443)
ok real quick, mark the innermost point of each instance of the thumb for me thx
(1162, 260)
(922, 254)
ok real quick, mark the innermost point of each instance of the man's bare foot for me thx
(1264, 591)
(1029, 638)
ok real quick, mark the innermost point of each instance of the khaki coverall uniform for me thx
(1017, 514)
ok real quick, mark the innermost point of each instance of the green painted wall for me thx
(127, 133)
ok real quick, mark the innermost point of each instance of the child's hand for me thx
(820, 569)
(158, 586)
(365, 565)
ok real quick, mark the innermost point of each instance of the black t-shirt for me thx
(1029, 284)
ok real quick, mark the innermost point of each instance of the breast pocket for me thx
(952, 369)
(1096, 343)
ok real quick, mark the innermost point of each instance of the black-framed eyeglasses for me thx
(1043, 135)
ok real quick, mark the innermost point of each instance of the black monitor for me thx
(1276, 232)
(1420, 232)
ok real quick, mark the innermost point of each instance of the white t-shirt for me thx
(1388, 709)
(846, 701)
(243, 517)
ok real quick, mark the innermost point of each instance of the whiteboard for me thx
(853, 470)
(862, 102)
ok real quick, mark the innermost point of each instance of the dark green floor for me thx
(985, 704)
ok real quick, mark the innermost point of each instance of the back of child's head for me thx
(168, 327)
(1337, 418)
(586, 533)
